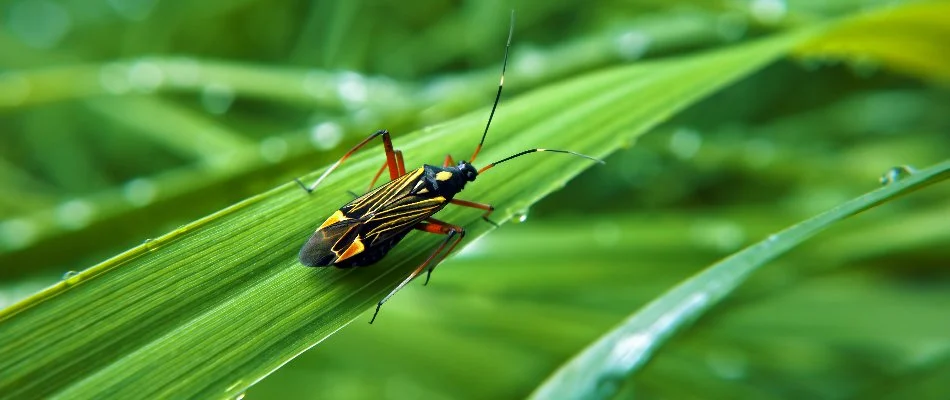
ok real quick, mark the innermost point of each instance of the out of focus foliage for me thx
(121, 120)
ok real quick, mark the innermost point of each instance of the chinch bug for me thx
(361, 232)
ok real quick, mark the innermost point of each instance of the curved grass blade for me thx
(600, 369)
(213, 307)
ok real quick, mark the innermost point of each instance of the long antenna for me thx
(537, 151)
(501, 83)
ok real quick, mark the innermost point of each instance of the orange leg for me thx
(431, 225)
(391, 159)
(400, 172)
(487, 207)
(448, 161)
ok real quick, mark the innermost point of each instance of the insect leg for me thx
(399, 164)
(431, 226)
(448, 161)
(487, 207)
(390, 159)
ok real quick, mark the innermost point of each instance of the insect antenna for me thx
(537, 151)
(501, 83)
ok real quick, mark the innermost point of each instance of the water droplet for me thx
(217, 98)
(240, 396)
(134, 10)
(685, 143)
(145, 76)
(273, 149)
(896, 173)
(140, 191)
(722, 235)
(71, 277)
(632, 45)
(530, 62)
(17, 233)
(17, 89)
(352, 89)
(731, 26)
(521, 216)
(326, 135)
(149, 244)
(38, 23)
(183, 72)
(768, 11)
(74, 214)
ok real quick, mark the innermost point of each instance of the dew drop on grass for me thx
(326, 135)
(74, 214)
(71, 278)
(217, 98)
(139, 191)
(768, 11)
(895, 174)
(721, 235)
(731, 26)
(685, 143)
(521, 215)
(240, 396)
(632, 45)
(183, 72)
(352, 89)
(273, 149)
(17, 233)
(530, 62)
(145, 76)
(40, 24)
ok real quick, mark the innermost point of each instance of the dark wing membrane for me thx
(326, 243)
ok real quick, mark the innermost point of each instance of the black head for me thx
(467, 170)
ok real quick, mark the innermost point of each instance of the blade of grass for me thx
(912, 38)
(600, 369)
(216, 305)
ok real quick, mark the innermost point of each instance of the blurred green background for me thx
(123, 119)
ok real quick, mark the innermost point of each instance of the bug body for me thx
(364, 230)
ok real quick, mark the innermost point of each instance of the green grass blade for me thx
(600, 370)
(213, 307)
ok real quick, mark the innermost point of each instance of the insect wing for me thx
(400, 216)
(330, 242)
(392, 208)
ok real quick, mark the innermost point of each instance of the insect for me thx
(361, 232)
